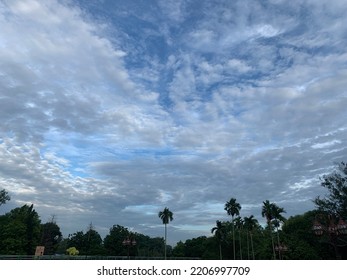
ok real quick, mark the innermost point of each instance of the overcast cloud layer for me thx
(112, 110)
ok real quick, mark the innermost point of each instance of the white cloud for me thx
(267, 31)
(173, 9)
(326, 144)
(238, 65)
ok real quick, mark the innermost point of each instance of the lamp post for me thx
(327, 225)
(128, 242)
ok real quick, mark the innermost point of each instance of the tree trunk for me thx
(278, 244)
(247, 245)
(165, 243)
(220, 250)
(232, 220)
(252, 245)
(240, 245)
(272, 241)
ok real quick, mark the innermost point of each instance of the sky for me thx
(112, 110)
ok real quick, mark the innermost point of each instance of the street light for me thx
(128, 242)
(317, 228)
(342, 226)
(333, 230)
(281, 248)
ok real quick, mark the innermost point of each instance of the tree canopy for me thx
(20, 232)
(4, 196)
(335, 202)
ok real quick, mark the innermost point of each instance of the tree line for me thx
(320, 233)
(21, 231)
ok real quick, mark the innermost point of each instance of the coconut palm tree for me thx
(233, 208)
(250, 223)
(219, 232)
(166, 216)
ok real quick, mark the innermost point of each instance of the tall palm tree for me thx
(239, 226)
(267, 212)
(233, 208)
(250, 223)
(166, 216)
(219, 232)
(277, 219)
(273, 214)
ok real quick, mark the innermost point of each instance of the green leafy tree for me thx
(94, 244)
(166, 216)
(154, 245)
(196, 247)
(88, 243)
(335, 202)
(145, 246)
(201, 247)
(4, 196)
(78, 241)
(301, 241)
(20, 233)
(51, 236)
(62, 246)
(333, 206)
(233, 208)
(179, 250)
(210, 253)
(113, 241)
